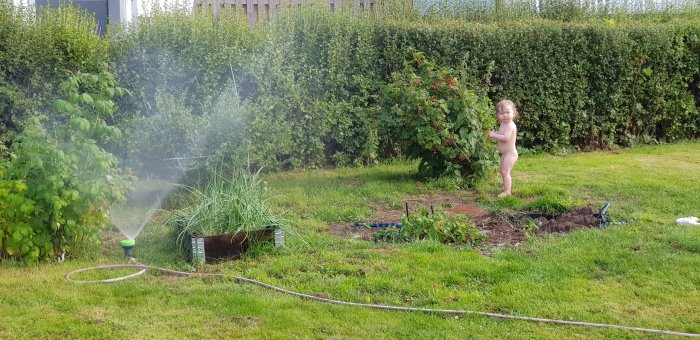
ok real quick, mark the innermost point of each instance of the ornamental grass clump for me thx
(232, 202)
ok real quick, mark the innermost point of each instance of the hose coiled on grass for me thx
(145, 268)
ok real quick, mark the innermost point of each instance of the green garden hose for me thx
(145, 268)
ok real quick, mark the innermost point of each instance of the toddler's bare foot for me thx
(504, 194)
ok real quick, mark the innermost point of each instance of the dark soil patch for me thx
(458, 203)
(581, 217)
(502, 231)
(232, 246)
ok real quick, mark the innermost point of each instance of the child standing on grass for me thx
(505, 113)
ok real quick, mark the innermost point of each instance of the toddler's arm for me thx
(508, 134)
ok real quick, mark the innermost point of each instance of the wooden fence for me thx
(269, 8)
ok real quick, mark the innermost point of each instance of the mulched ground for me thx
(502, 231)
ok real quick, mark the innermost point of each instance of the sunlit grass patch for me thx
(641, 274)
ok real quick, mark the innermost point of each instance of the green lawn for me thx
(644, 274)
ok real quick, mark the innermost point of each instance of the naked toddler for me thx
(506, 135)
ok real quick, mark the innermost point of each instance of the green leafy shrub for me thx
(439, 120)
(304, 106)
(59, 183)
(438, 226)
(313, 106)
(161, 143)
(390, 235)
(15, 107)
(182, 55)
(441, 227)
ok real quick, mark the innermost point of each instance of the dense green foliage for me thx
(435, 226)
(304, 106)
(564, 10)
(36, 54)
(311, 84)
(439, 120)
(441, 227)
(179, 69)
(58, 184)
(586, 85)
(327, 89)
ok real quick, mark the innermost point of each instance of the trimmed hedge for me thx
(313, 80)
(37, 53)
(308, 86)
(582, 85)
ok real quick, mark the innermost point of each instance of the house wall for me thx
(100, 8)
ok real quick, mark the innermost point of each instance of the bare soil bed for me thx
(502, 231)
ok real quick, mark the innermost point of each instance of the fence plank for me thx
(252, 16)
(273, 10)
(269, 8)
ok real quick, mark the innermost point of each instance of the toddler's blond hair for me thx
(504, 103)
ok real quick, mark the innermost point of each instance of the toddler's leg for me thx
(507, 162)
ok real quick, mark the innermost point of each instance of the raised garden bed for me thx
(211, 249)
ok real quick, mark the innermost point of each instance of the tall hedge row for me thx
(303, 86)
(306, 88)
(311, 81)
(586, 85)
(37, 53)
(178, 67)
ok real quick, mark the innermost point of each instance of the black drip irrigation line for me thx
(145, 268)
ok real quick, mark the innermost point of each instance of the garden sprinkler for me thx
(127, 245)
(603, 219)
